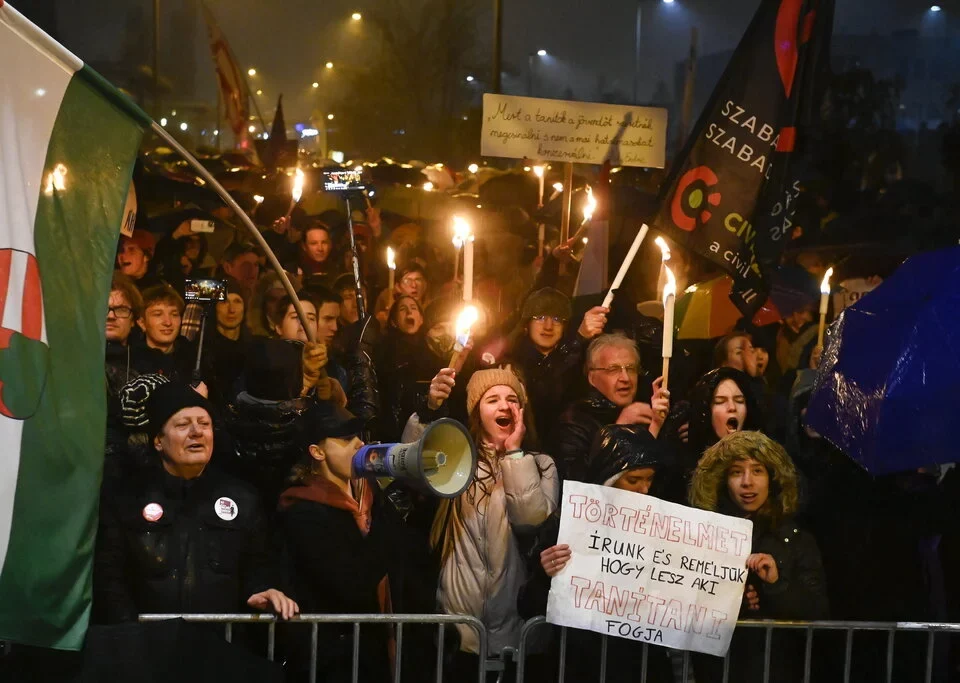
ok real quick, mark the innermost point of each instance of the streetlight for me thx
(541, 53)
(329, 65)
(935, 8)
(251, 72)
(183, 126)
(356, 16)
(636, 65)
(470, 79)
(315, 84)
(259, 92)
(330, 117)
(163, 121)
(530, 65)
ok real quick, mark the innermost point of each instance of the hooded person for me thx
(150, 520)
(625, 457)
(747, 474)
(397, 360)
(349, 551)
(549, 351)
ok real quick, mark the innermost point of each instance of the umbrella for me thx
(706, 312)
(887, 385)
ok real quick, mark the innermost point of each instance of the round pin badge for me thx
(226, 509)
(152, 512)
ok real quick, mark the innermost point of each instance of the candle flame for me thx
(590, 206)
(664, 249)
(428, 186)
(669, 289)
(461, 231)
(468, 316)
(258, 198)
(538, 171)
(297, 185)
(825, 285)
(391, 263)
(558, 187)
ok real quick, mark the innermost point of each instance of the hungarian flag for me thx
(68, 142)
(233, 88)
(732, 192)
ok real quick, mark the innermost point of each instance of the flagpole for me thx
(244, 219)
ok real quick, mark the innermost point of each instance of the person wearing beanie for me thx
(515, 490)
(548, 351)
(625, 457)
(135, 258)
(347, 548)
(182, 536)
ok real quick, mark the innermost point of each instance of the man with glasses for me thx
(613, 369)
(123, 309)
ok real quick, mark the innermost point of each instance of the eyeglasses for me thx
(557, 320)
(412, 281)
(613, 370)
(120, 311)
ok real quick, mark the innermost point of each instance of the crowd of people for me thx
(231, 432)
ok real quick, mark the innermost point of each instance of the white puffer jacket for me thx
(483, 573)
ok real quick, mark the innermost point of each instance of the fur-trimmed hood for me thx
(708, 490)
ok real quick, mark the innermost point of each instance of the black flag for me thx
(732, 192)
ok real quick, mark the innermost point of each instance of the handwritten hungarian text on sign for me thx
(649, 570)
(579, 132)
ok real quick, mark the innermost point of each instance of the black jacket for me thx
(576, 430)
(354, 351)
(549, 379)
(194, 558)
(799, 594)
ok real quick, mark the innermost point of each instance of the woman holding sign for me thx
(629, 458)
(746, 474)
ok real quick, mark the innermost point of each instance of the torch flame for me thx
(825, 285)
(558, 187)
(297, 185)
(671, 287)
(468, 316)
(590, 206)
(664, 249)
(391, 263)
(258, 198)
(461, 231)
(538, 171)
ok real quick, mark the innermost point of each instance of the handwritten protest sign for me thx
(580, 132)
(649, 570)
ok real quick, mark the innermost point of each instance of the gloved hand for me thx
(313, 363)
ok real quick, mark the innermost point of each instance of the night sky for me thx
(289, 40)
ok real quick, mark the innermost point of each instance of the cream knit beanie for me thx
(483, 380)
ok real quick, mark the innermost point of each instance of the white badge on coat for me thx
(226, 509)
(152, 512)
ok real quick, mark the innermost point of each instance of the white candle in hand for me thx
(669, 302)
(824, 304)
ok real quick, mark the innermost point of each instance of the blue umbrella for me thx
(887, 389)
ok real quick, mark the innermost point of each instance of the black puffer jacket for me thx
(355, 353)
(550, 379)
(574, 434)
(167, 544)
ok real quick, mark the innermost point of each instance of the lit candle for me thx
(557, 191)
(625, 266)
(589, 207)
(462, 230)
(392, 265)
(824, 304)
(468, 316)
(297, 191)
(539, 172)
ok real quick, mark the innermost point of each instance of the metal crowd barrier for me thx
(769, 626)
(399, 620)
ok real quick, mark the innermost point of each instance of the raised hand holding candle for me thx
(824, 304)
(468, 316)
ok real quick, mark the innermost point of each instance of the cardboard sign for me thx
(579, 132)
(649, 570)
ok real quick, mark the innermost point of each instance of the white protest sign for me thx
(649, 570)
(579, 132)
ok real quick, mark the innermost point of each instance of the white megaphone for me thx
(443, 460)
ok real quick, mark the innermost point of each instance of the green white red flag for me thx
(68, 142)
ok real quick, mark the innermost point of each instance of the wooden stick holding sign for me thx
(625, 266)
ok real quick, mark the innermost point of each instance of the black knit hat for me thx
(547, 301)
(169, 399)
(325, 420)
(133, 399)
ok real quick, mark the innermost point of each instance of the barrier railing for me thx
(399, 620)
(931, 629)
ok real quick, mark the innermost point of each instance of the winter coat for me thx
(800, 593)
(397, 371)
(119, 370)
(355, 354)
(578, 427)
(172, 545)
(350, 557)
(482, 565)
(549, 379)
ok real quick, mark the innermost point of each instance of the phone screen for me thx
(205, 290)
(343, 181)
